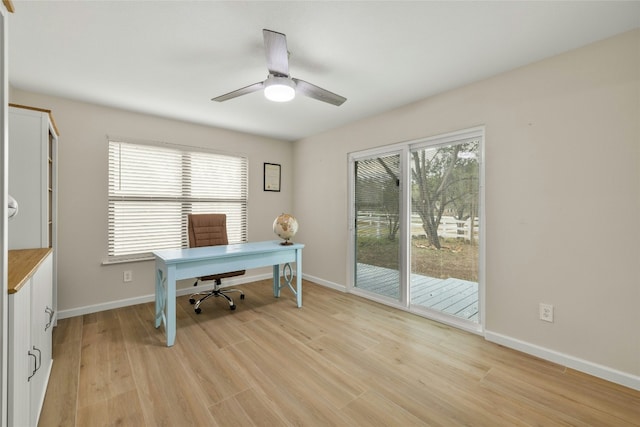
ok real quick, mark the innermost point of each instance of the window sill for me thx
(127, 260)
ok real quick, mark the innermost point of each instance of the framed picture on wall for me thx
(271, 177)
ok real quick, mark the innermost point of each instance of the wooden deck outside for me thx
(452, 296)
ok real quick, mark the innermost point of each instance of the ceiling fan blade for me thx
(236, 93)
(275, 45)
(315, 92)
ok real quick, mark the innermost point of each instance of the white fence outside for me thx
(449, 228)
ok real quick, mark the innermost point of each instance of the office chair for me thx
(210, 230)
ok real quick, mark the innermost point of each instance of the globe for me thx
(285, 226)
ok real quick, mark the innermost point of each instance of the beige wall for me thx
(562, 197)
(82, 279)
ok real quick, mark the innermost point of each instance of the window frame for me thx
(232, 198)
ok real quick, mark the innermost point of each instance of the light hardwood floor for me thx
(339, 361)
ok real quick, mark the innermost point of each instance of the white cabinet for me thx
(30, 334)
(33, 182)
(20, 361)
(42, 314)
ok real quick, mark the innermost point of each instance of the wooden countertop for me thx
(22, 264)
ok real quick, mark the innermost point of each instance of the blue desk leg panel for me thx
(299, 277)
(166, 301)
(170, 305)
(161, 285)
(276, 280)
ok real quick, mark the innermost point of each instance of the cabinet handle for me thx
(39, 358)
(50, 311)
(37, 361)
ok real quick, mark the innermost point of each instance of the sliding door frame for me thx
(404, 150)
(404, 214)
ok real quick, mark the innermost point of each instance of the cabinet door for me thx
(22, 361)
(41, 326)
(28, 178)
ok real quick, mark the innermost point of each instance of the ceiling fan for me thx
(279, 85)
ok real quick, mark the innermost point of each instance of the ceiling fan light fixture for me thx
(279, 89)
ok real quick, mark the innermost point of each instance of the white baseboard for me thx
(591, 368)
(80, 311)
(325, 283)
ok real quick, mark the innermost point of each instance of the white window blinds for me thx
(152, 189)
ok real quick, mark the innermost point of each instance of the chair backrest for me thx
(207, 230)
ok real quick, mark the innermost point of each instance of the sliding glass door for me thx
(377, 225)
(445, 201)
(416, 226)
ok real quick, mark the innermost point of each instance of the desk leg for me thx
(166, 301)
(287, 275)
(276, 280)
(299, 277)
(161, 295)
(170, 323)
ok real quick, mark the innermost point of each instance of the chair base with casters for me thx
(215, 292)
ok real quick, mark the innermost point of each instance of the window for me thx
(153, 188)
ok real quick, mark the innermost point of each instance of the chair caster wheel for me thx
(241, 296)
(232, 307)
(192, 301)
(198, 310)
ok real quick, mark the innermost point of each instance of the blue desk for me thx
(176, 264)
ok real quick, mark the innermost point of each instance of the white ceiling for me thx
(169, 58)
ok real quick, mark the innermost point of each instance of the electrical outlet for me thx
(127, 276)
(546, 312)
